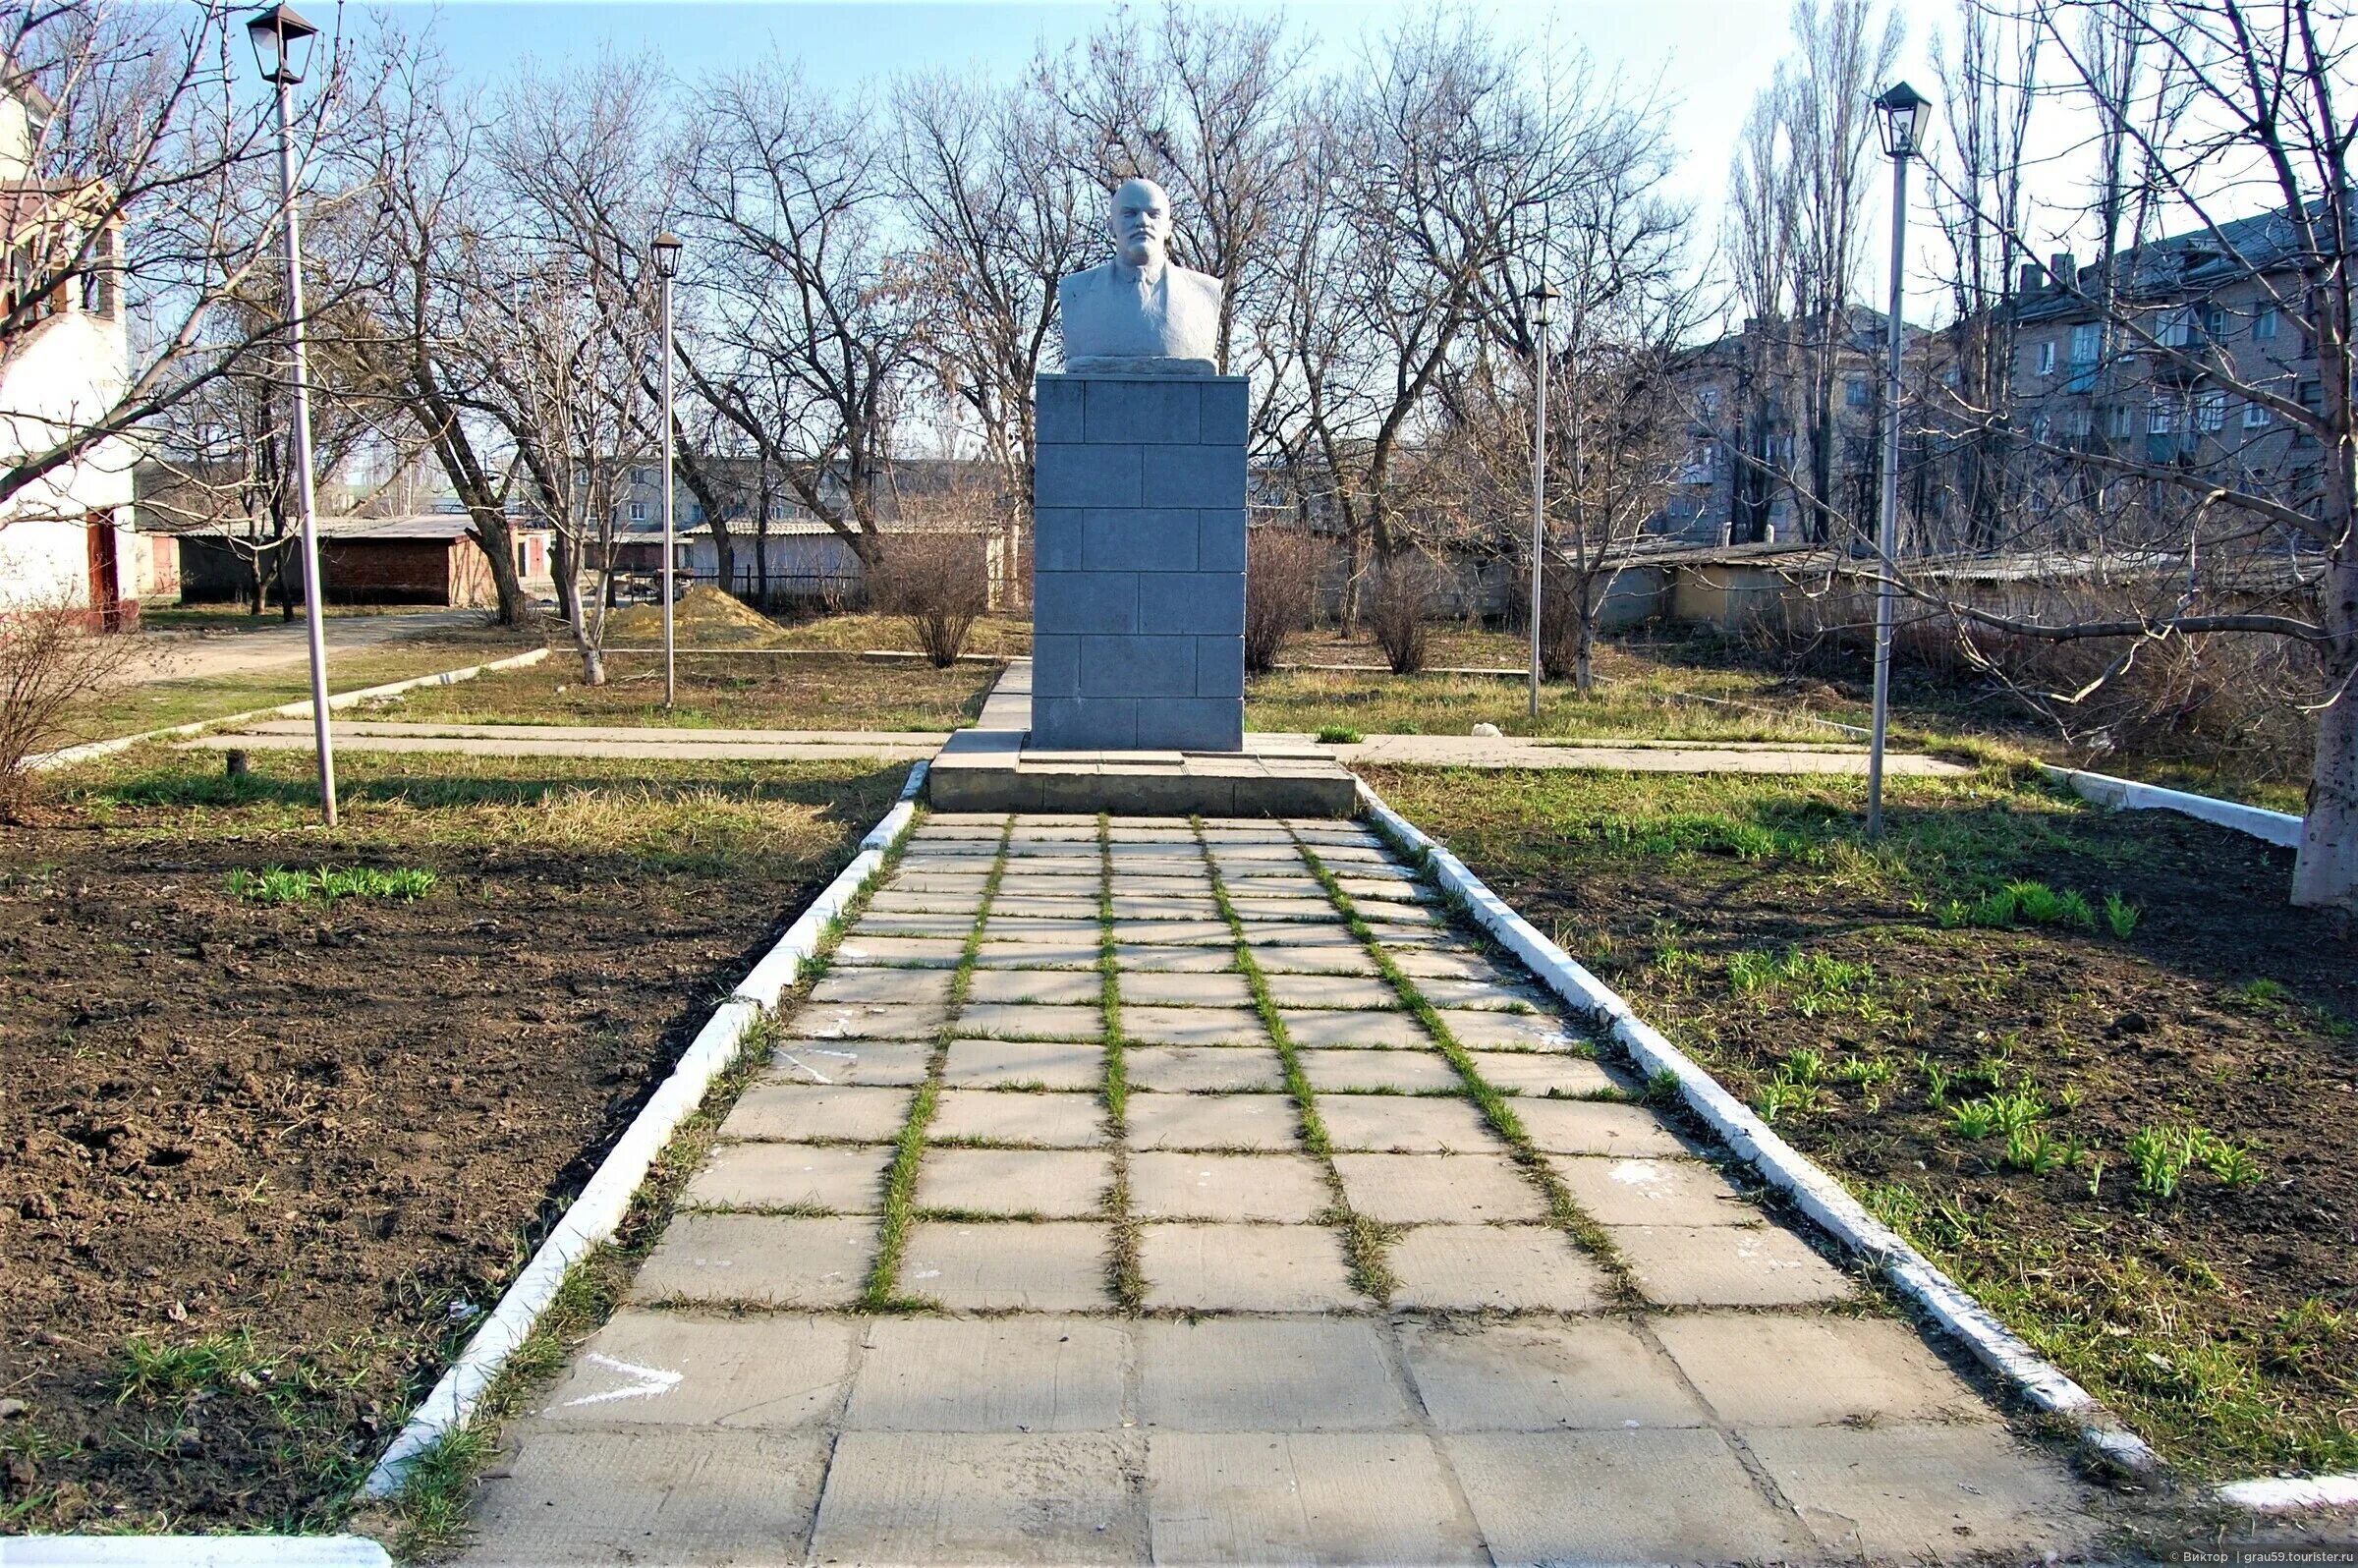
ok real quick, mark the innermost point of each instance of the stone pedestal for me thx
(1138, 586)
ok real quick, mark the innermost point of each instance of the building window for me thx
(2047, 358)
(2255, 415)
(2210, 411)
(637, 511)
(1854, 392)
(2124, 418)
(2161, 418)
(2264, 325)
(640, 477)
(2081, 421)
(2176, 328)
(1707, 403)
(2040, 427)
(2087, 340)
(2215, 324)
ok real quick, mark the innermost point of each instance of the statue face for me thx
(1142, 221)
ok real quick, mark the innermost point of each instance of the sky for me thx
(1706, 57)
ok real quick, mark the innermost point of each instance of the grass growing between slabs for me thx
(2091, 1063)
(271, 1161)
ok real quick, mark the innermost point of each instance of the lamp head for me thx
(666, 249)
(1541, 303)
(282, 43)
(1903, 113)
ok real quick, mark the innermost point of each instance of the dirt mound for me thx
(703, 617)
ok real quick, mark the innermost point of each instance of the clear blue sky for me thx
(1711, 56)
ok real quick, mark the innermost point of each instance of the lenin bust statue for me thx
(1138, 314)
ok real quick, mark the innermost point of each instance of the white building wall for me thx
(69, 371)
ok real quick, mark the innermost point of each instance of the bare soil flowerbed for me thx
(262, 1164)
(2141, 1149)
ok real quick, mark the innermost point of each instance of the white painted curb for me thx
(192, 1551)
(2281, 1497)
(1810, 1190)
(67, 756)
(2281, 828)
(607, 1196)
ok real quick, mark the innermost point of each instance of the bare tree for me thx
(2237, 145)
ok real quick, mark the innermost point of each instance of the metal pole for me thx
(305, 503)
(1539, 507)
(1887, 534)
(669, 689)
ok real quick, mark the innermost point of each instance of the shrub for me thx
(51, 665)
(1399, 615)
(935, 583)
(1281, 591)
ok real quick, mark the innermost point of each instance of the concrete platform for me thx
(993, 767)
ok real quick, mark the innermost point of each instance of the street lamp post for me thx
(1541, 301)
(666, 248)
(1902, 111)
(282, 48)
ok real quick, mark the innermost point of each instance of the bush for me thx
(1399, 614)
(937, 584)
(51, 663)
(1281, 588)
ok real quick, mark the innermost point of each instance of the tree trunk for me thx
(572, 606)
(1583, 659)
(2327, 873)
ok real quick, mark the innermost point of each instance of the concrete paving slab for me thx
(1322, 1029)
(571, 1497)
(1132, 958)
(1479, 1029)
(1185, 990)
(1332, 991)
(1584, 1127)
(1213, 1121)
(1076, 928)
(869, 1021)
(1482, 995)
(1269, 1375)
(1004, 1063)
(1053, 1184)
(1014, 1021)
(757, 1257)
(1045, 1267)
(1727, 1265)
(1283, 959)
(1246, 1269)
(1406, 1124)
(867, 1062)
(1209, 933)
(1300, 933)
(941, 928)
(1654, 1192)
(799, 1114)
(911, 952)
(1894, 1492)
(1062, 912)
(1062, 988)
(1304, 1498)
(1132, 903)
(1438, 1188)
(983, 1497)
(1192, 1026)
(1408, 1072)
(1542, 1073)
(778, 1370)
(839, 1178)
(1812, 1369)
(1037, 954)
(1276, 1189)
(1651, 1495)
(1198, 1069)
(1000, 1116)
(1449, 963)
(989, 1374)
(839, 985)
(1503, 1268)
(1253, 903)
(1597, 1374)
(916, 901)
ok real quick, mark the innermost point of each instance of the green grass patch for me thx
(279, 884)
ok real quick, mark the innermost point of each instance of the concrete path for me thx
(187, 654)
(1118, 1197)
(1516, 752)
(586, 740)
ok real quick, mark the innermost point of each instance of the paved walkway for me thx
(180, 653)
(1513, 750)
(586, 740)
(1115, 1198)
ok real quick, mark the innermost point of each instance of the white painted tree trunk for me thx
(2327, 873)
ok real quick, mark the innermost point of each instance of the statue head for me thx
(1142, 221)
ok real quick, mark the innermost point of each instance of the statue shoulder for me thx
(1083, 281)
(1201, 284)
